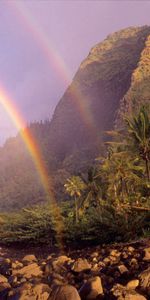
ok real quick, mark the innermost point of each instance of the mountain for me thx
(113, 80)
(89, 106)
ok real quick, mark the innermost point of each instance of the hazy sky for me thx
(42, 44)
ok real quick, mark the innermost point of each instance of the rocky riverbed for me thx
(120, 271)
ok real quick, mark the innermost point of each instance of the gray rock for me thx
(145, 280)
(81, 264)
(91, 289)
(65, 292)
(147, 254)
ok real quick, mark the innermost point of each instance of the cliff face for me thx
(114, 79)
(89, 106)
(139, 90)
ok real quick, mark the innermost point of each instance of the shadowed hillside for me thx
(112, 80)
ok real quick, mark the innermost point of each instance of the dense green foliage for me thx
(100, 177)
(109, 204)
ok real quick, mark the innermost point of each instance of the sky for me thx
(43, 42)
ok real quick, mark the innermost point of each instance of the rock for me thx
(122, 269)
(3, 279)
(28, 271)
(132, 284)
(91, 289)
(27, 291)
(4, 289)
(130, 249)
(81, 264)
(122, 293)
(131, 295)
(22, 293)
(62, 259)
(115, 253)
(94, 254)
(133, 262)
(64, 292)
(57, 279)
(16, 264)
(29, 258)
(117, 290)
(145, 280)
(41, 291)
(147, 254)
(5, 267)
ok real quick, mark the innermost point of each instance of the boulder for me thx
(81, 264)
(122, 293)
(4, 289)
(145, 280)
(28, 271)
(5, 267)
(132, 284)
(3, 279)
(64, 292)
(122, 269)
(91, 289)
(29, 258)
(147, 254)
(27, 291)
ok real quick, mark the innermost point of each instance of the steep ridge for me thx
(89, 105)
(112, 80)
(139, 91)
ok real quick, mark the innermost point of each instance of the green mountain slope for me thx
(102, 80)
(112, 80)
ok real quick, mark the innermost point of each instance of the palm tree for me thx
(93, 191)
(139, 131)
(74, 186)
(123, 175)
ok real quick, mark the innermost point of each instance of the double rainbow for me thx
(8, 104)
(54, 60)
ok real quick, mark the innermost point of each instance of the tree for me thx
(74, 186)
(124, 176)
(139, 131)
(93, 191)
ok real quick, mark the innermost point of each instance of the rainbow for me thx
(8, 104)
(54, 59)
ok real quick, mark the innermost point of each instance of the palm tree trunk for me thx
(76, 210)
(147, 169)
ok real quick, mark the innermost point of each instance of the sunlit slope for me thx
(113, 79)
(139, 90)
(89, 105)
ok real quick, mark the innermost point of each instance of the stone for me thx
(91, 289)
(122, 269)
(5, 267)
(81, 264)
(122, 293)
(22, 293)
(28, 271)
(130, 249)
(64, 292)
(131, 295)
(132, 284)
(115, 253)
(4, 289)
(147, 254)
(16, 264)
(94, 254)
(63, 259)
(145, 280)
(29, 258)
(41, 291)
(27, 291)
(3, 279)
